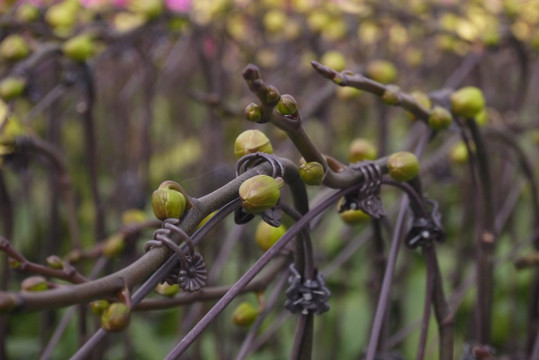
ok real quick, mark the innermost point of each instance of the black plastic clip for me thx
(367, 198)
(425, 230)
(191, 273)
(311, 296)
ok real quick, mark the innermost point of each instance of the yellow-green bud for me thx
(34, 283)
(55, 262)
(361, 149)
(392, 95)
(260, 193)
(382, 71)
(403, 166)
(114, 245)
(27, 13)
(334, 59)
(422, 99)
(99, 306)
(13, 264)
(287, 105)
(245, 314)
(272, 95)
(167, 290)
(482, 117)
(79, 48)
(467, 102)
(312, 173)
(61, 15)
(12, 87)
(440, 118)
(267, 235)
(168, 202)
(459, 153)
(14, 48)
(116, 317)
(149, 8)
(253, 112)
(133, 216)
(252, 141)
(354, 217)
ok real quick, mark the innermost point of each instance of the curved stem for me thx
(251, 273)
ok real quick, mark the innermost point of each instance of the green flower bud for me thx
(267, 235)
(61, 15)
(14, 264)
(14, 48)
(392, 95)
(287, 105)
(79, 48)
(467, 102)
(272, 95)
(403, 166)
(482, 117)
(253, 112)
(334, 59)
(260, 193)
(55, 262)
(99, 306)
(34, 283)
(382, 71)
(440, 118)
(245, 314)
(252, 141)
(27, 13)
(12, 87)
(133, 216)
(168, 202)
(149, 8)
(114, 245)
(312, 173)
(167, 290)
(354, 217)
(422, 99)
(458, 153)
(361, 149)
(116, 317)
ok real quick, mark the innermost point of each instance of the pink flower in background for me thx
(91, 3)
(182, 6)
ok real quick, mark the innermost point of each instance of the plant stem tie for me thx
(310, 296)
(367, 198)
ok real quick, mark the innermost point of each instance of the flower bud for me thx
(245, 314)
(482, 117)
(114, 245)
(287, 105)
(458, 153)
(267, 235)
(79, 48)
(440, 118)
(62, 15)
(422, 99)
(167, 290)
(14, 48)
(361, 149)
(12, 87)
(133, 216)
(391, 95)
(354, 217)
(382, 71)
(253, 112)
(168, 203)
(34, 283)
(260, 193)
(403, 166)
(27, 13)
(116, 317)
(467, 102)
(55, 262)
(272, 95)
(13, 264)
(252, 141)
(334, 59)
(312, 173)
(99, 306)
(149, 8)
